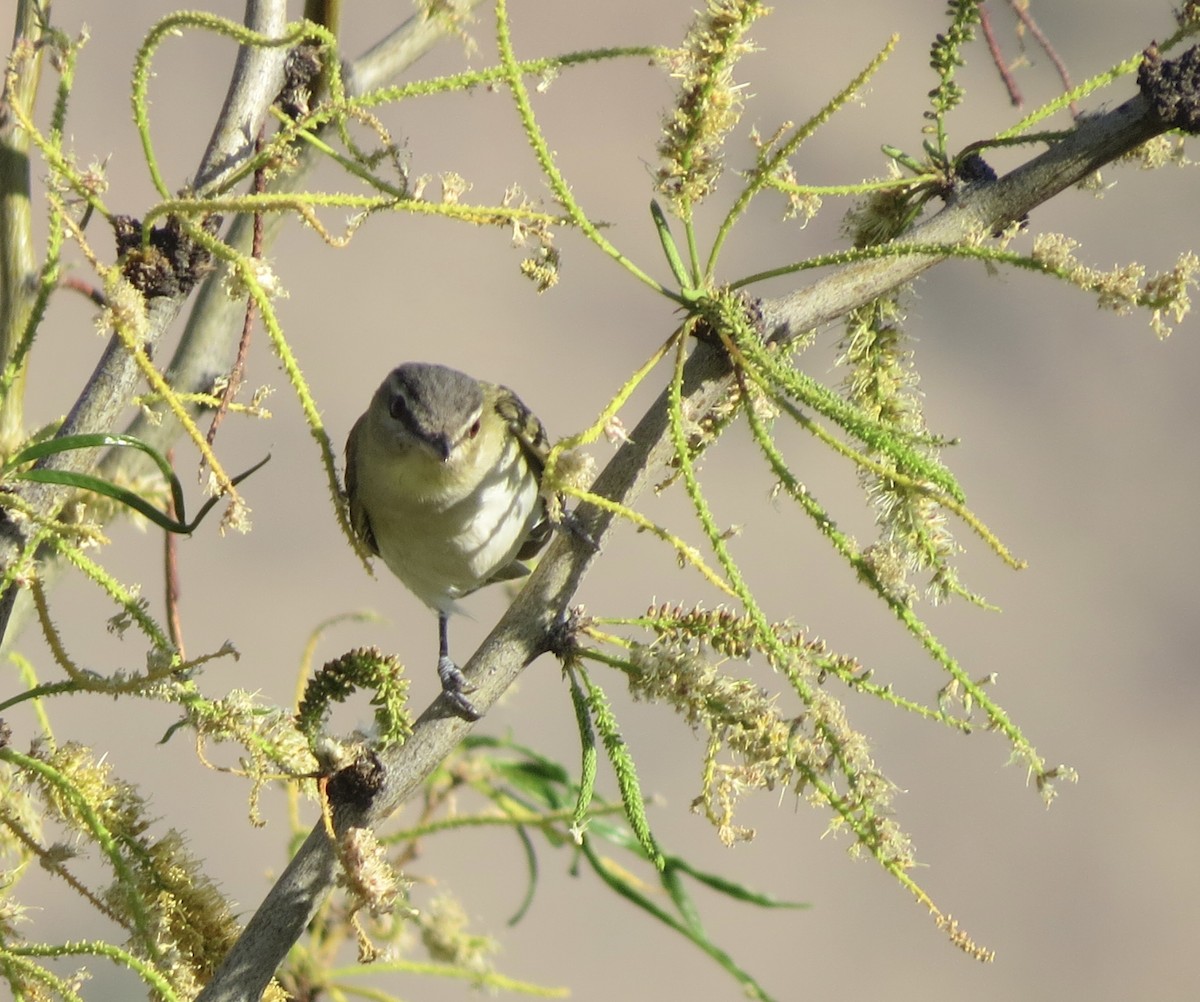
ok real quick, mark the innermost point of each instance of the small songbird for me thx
(442, 475)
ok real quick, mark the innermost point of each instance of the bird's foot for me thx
(571, 523)
(455, 687)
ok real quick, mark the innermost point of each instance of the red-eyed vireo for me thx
(442, 475)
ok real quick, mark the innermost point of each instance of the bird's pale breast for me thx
(453, 532)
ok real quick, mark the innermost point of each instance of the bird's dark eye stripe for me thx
(399, 409)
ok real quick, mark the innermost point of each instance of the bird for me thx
(443, 481)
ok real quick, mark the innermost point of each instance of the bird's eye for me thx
(399, 408)
(474, 430)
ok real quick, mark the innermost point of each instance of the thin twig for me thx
(1002, 67)
(1023, 15)
(76, 284)
(238, 371)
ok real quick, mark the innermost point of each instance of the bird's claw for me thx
(454, 689)
(570, 522)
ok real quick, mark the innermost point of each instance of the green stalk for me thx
(16, 223)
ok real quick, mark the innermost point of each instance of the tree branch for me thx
(209, 341)
(111, 386)
(257, 78)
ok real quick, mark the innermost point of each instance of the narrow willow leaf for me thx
(678, 269)
(532, 866)
(122, 495)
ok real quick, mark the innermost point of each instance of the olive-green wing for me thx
(531, 434)
(358, 514)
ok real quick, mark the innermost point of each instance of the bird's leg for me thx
(454, 683)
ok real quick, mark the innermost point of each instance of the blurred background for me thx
(1077, 447)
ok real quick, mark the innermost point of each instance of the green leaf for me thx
(687, 287)
(739, 892)
(544, 783)
(617, 882)
(531, 888)
(97, 485)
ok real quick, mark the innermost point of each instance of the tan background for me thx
(1078, 446)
